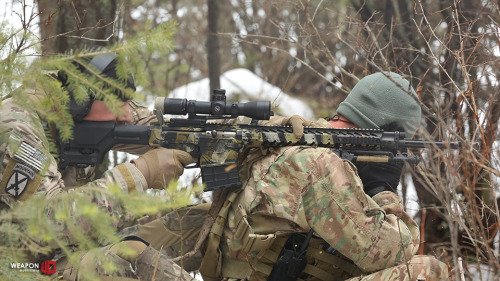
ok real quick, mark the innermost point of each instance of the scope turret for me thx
(218, 107)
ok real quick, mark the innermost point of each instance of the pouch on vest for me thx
(292, 259)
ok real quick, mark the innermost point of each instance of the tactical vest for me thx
(249, 256)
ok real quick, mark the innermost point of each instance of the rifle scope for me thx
(260, 110)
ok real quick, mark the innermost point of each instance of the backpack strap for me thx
(211, 265)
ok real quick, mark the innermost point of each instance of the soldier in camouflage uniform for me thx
(29, 169)
(361, 231)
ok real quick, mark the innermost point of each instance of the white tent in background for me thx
(247, 86)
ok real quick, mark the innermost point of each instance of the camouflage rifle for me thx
(217, 146)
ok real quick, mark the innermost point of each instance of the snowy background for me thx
(246, 86)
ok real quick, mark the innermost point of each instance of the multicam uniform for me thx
(294, 189)
(29, 169)
(299, 188)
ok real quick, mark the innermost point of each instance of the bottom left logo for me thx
(48, 267)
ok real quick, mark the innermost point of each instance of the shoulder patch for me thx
(24, 170)
(19, 181)
(16, 184)
(31, 156)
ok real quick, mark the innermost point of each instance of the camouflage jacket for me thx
(29, 169)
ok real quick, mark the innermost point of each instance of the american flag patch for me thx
(31, 156)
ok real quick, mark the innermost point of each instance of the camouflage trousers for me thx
(124, 261)
(419, 268)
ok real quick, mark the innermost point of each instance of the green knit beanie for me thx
(376, 101)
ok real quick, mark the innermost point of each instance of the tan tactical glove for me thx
(159, 166)
(297, 122)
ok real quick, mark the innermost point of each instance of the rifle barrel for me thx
(438, 144)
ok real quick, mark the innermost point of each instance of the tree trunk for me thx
(71, 24)
(213, 55)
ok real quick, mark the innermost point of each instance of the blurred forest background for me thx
(317, 50)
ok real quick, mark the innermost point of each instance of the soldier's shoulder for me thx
(141, 115)
(136, 104)
(13, 111)
(19, 122)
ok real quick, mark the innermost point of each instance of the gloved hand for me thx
(378, 177)
(297, 122)
(159, 166)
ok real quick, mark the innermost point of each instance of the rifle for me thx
(217, 146)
